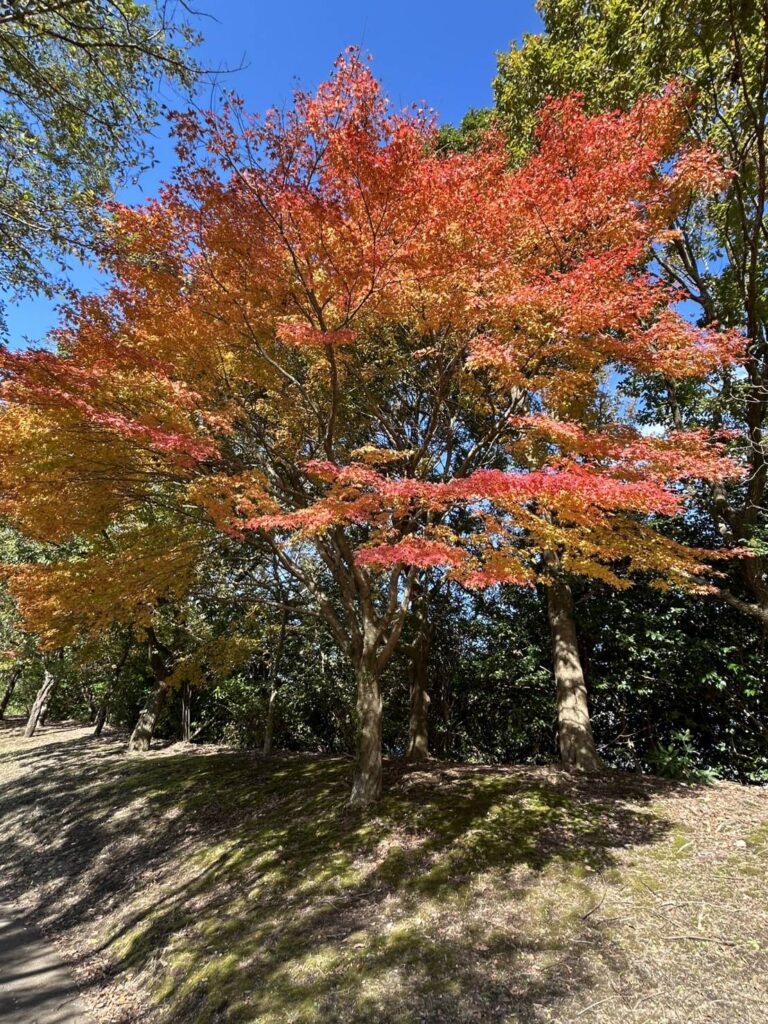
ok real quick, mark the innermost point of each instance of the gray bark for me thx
(577, 744)
(366, 785)
(141, 737)
(418, 723)
(186, 711)
(161, 662)
(40, 706)
(101, 717)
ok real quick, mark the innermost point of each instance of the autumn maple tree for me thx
(338, 349)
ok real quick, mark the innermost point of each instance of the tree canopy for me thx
(613, 51)
(337, 347)
(78, 97)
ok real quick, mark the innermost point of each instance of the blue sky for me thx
(440, 53)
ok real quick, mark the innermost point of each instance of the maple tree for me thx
(717, 254)
(331, 346)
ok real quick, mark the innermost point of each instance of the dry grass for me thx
(194, 886)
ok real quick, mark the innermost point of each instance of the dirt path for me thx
(36, 986)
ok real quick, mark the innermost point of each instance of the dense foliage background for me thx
(678, 687)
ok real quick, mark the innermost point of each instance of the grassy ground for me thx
(197, 887)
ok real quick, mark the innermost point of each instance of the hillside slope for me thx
(197, 886)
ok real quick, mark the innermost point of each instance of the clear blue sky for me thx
(442, 53)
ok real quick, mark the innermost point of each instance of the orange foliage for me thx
(323, 324)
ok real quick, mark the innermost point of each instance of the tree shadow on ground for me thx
(243, 890)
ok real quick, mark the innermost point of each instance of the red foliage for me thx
(321, 283)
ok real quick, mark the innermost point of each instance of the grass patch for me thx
(757, 840)
(226, 888)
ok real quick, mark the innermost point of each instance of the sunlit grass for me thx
(225, 888)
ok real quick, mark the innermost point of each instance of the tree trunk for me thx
(161, 662)
(366, 786)
(274, 669)
(101, 716)
(15, 676)
(186, 712)
(141, 737)
(40, 706)
(577, 744)
(269, 725)
(418, 728)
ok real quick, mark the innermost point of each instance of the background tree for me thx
(614, 51)
(78, 97)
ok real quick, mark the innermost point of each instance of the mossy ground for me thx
(206, 886)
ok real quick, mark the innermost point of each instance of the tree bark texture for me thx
(577, 744)
(40, 706)
(366, 786)
(9, 689)
(186, 712)
(141, 737)
(418, 724)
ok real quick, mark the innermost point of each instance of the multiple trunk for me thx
(40, 705)
(11, 686)
(367, 782)
(577, 744)
(141, 737)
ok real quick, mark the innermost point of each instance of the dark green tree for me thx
(78, 96)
